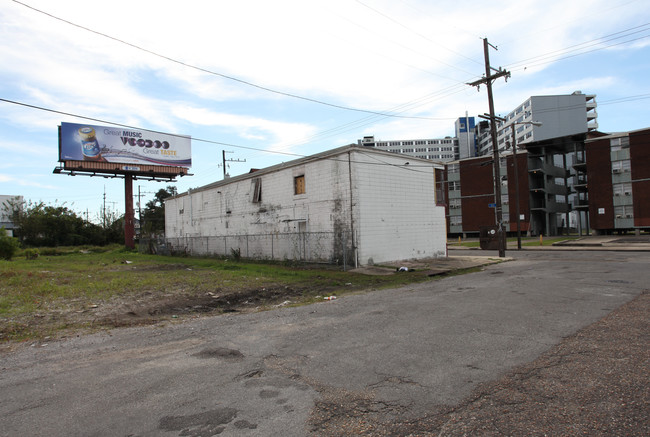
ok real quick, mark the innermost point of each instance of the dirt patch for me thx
(153, 308)
(147, 308)
(72, 316)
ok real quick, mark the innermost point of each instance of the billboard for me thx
(84, 142)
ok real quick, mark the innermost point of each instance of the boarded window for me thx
(299, 184)
(257, 190)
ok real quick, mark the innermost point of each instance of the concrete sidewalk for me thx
(600, 242)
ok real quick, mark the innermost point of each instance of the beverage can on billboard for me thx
(79, 142)
(89, 145)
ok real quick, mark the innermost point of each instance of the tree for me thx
(8, 245)
(153, 215)
(112, 225)
(39, 224)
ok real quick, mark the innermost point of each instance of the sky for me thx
(269, 82)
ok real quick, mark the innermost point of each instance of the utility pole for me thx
(487, 80)
(104, 210)
(139, 205)
(223, 153)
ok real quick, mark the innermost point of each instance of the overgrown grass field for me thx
(67, 289)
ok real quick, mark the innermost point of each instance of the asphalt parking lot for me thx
(418, 360)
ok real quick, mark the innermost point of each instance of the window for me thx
(622, 189)
(623, 211)
(299, 185)
(621, 166)
(619, 143)
(257, 190)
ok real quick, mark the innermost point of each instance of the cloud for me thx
(273, 133)
(26, 181)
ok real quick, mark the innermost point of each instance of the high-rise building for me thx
(559, 115)
(466, 134)
(554, 116)
(436, 149)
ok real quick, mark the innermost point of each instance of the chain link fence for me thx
(319, 247)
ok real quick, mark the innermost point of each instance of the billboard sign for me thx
(84, 142)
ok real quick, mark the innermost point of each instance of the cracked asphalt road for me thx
(445, 356)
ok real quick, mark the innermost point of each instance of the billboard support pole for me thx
(129, 227)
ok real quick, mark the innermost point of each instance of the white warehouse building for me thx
(350, 205)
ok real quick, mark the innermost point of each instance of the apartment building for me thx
(558, 116)
(582, 182)
(616, 170)
(554, 116)
(436, 149)
(470, 194)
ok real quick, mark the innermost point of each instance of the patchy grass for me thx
(546, 241)
(71, 289)
(525, 241)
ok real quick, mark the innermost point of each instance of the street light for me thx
(514, 158)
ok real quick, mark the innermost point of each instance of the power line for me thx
(625, 99)
(422, 36)
(559, 55)
(170, 134)
(575, 47)
(375, 118)
(205, 70)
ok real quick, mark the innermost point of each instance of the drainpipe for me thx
(354, 249)
(189, 194)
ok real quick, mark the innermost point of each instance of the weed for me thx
(52, 293)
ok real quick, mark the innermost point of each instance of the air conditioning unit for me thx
(617, 194)
(616, 170)
(628, 216)
(627, 193)
(618, 216)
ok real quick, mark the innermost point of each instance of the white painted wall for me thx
(393, 214)
(228, 208)
(397, 214)
(560, 116)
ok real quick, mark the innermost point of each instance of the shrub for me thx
(8, 245)
(50, 251)
(31, 253)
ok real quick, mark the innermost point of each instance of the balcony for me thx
(536, 165)
(581, 204)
